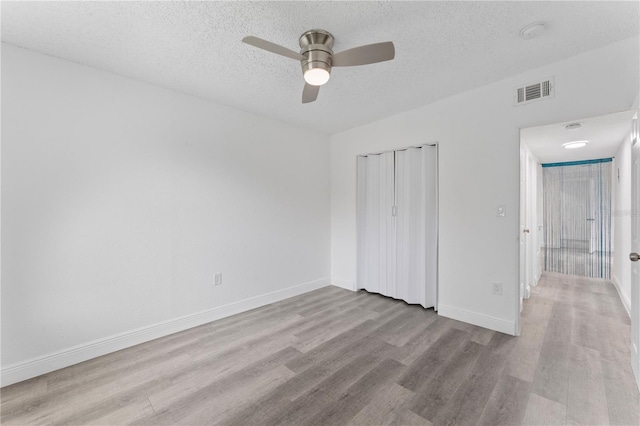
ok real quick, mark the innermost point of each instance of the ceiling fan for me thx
(317, 58)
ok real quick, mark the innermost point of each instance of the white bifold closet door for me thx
(398, 224)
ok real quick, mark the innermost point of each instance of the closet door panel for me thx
(416, 225)
(410, 226)
(376, 261)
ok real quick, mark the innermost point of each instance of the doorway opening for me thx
(579, 221)
(577, 226)
(575, 202)
(574, 192)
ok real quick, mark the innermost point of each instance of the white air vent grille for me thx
(534, 91)
(546, 88)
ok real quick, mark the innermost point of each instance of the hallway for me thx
(578, 332)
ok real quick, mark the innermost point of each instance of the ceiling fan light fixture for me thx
(575, 144)
(317, 58)
(316, 76)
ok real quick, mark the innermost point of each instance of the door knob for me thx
(634, 257)
(526, 231)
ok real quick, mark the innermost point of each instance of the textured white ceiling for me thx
(604, 133)
(442, 48)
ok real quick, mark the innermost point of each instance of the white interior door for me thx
(523, 225)
(530, 214)
(635, 250)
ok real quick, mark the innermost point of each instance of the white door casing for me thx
(635, 248)
(539, 222)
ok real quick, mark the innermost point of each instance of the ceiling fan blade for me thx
(363, 55)
(272, 47)
(309, 93)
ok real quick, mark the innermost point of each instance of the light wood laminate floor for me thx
(334, 357)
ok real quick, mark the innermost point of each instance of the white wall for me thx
(120, 200)
(478, 133)
(622, 220)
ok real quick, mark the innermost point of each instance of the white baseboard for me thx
(536, 280)
(623, 297)
(481, 320)
(41, 365)
(344, 283)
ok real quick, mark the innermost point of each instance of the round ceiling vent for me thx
(532, 30)
(573, 126)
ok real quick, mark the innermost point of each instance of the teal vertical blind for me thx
(577, 218)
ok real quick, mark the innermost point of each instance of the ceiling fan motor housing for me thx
(316, 47)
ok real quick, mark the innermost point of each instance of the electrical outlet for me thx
(496, 288)
(217, 278)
